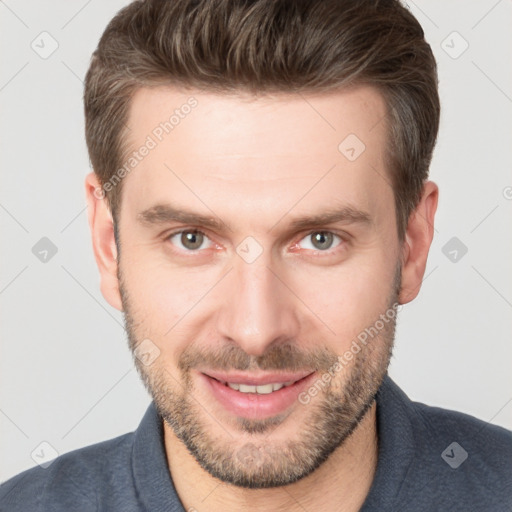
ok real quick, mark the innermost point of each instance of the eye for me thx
(190, 239)
(321, 240)
(194, 240)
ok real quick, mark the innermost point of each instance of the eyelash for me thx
(327, 252)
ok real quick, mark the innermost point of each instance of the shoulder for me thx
(487, 442)
(431, 458)
(71, 481)
(469, 460)
(433, 427)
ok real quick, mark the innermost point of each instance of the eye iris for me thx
(191, 239)
(323, 238)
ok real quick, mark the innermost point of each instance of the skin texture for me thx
(256, 164)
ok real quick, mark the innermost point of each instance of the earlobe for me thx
(103, 240)
(417, 242)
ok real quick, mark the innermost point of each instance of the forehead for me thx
(267, 153)
(212, 117)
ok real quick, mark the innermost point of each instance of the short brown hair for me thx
(268, 46)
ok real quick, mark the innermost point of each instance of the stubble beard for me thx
(260, 463)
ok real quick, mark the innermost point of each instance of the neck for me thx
(340, 484)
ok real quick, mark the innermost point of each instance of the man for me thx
(259, 211)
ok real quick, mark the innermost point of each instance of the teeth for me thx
(244, 388)
(265, 389)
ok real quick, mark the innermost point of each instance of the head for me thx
(259, 208)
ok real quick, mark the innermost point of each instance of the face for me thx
(258, 245)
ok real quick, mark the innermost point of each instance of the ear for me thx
(418, 238)
(103, 241)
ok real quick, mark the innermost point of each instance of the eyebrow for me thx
(161, 214)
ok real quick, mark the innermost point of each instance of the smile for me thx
(265, 389)
(255, 396)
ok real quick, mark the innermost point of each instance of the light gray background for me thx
(66, 373)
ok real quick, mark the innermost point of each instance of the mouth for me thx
(255, 396)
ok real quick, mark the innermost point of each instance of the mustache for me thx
(279, 357)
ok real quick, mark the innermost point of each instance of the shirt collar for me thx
(149, 464)
(395, 447)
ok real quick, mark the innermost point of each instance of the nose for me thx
(257, 310)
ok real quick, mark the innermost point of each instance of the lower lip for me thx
(253, 405)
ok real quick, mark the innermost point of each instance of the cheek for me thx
(349, 298)
(166, 300)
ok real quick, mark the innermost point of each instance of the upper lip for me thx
(257, 379)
